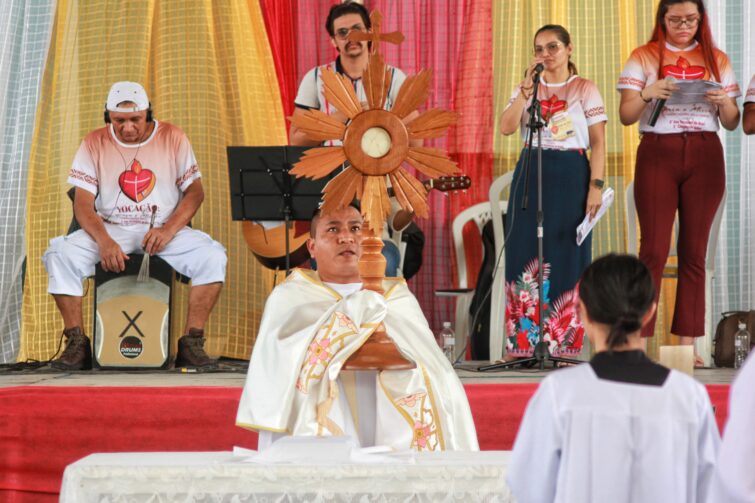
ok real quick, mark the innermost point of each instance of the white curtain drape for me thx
(24, 39)
(734, 282)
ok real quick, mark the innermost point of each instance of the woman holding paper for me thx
(680, 161)
(574, 116)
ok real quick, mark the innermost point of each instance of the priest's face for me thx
(336, 245)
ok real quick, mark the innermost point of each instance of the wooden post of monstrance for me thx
(376, 144)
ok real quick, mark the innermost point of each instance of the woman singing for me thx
(575, 118)
(680, 161)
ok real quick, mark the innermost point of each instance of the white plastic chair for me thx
(498, 297)
(704, 344)
(480, 214)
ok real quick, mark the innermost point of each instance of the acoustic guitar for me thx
(269, 244)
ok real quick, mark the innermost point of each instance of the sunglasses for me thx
(551, 48)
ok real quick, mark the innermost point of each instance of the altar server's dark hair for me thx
(617, 290)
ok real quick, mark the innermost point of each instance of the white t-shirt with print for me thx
(579, 98)
(311, 94)
(128, 180)
(641, 70)
(750, 95)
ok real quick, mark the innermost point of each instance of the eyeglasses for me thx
(678, 22)
(343, 33)
(551, 48)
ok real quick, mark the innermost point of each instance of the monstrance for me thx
(376, 142)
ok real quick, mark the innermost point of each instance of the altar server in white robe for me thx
(313, 322)
(734, 480)
(621, 428)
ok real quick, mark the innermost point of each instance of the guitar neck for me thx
(443, 184)
(428, 184)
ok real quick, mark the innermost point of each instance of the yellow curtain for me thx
(207, 67)
(603, 35)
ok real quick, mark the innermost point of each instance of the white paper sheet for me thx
(322, 450)
(691, 92)
(586, 226)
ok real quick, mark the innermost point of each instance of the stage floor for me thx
(233, 373)
(74, 414)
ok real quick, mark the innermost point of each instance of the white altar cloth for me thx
(220, 477)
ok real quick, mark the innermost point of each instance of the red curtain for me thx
(472, 145)
(279, 22)
(454, 39)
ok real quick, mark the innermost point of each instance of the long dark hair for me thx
(703, 35)
(617, 290)
(563, 36)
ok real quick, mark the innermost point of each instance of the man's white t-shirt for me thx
(311, 94)
(129, 180)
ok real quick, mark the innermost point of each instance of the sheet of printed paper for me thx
(691, 92)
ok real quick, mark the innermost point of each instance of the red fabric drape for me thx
(279, 16)
(44, 428)
(313, 44)
(454, 39)
(472, 138)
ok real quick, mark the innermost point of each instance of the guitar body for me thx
(269, 245)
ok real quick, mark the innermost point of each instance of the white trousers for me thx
(192, 253)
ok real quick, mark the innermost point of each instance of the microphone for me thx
(536, 73)
(659, 104)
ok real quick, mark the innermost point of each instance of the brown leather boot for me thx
(78, 353)
(191, 351)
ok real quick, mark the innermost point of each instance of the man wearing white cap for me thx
(128, 174)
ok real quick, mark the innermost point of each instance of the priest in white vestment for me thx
(313, 322)
(620, 429)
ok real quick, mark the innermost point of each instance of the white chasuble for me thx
(295, 385)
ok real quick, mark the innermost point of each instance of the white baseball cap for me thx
(127, 91)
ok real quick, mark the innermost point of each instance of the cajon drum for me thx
(132, 319)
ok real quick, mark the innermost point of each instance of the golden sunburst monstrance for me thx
(376, 143)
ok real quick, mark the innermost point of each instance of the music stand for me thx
(262, 188)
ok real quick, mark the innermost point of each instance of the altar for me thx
(223, 477)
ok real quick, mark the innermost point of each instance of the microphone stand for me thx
(542, 354)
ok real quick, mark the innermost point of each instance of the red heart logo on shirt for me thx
(682, 70)
(551, 106)
(137, 183)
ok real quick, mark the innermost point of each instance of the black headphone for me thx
(149, 114)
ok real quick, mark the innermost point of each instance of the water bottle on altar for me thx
(447, 338)
(741, 345)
